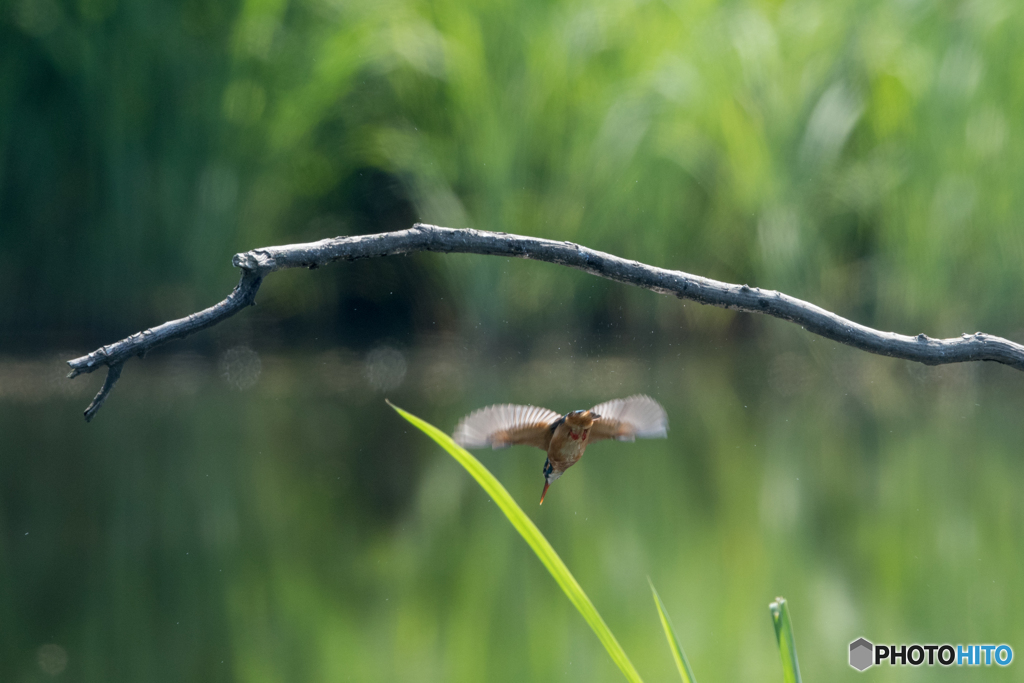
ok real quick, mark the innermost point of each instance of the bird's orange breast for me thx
(565, 450)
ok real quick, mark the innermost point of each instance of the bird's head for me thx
(580, 419)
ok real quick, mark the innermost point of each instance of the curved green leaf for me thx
(532, 535)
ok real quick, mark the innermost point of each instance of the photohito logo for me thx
(863, 653)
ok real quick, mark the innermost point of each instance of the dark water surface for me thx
(261, 517)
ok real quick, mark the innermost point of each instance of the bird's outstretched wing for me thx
(625, 419)
(505, 425)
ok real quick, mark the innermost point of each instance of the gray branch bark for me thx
(259, 263)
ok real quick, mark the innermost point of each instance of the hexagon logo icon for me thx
(860, 654)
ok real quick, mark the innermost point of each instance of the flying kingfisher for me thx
(564, 437)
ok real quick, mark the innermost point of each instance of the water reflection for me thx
(300, 531)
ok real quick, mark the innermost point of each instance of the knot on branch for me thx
(256, 260)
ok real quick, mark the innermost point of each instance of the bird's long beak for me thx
(545, 492)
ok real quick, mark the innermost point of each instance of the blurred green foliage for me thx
(864, 155)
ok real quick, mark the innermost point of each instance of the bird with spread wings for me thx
(563, 437)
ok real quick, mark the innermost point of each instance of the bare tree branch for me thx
(259, 263)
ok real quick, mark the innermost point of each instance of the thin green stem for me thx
(685, 672)
(784, 636)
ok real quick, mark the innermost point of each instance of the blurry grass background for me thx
(865, 155)
(247, 508)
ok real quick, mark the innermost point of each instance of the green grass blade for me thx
(784, 635)
(532, 535)
(673, 642)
